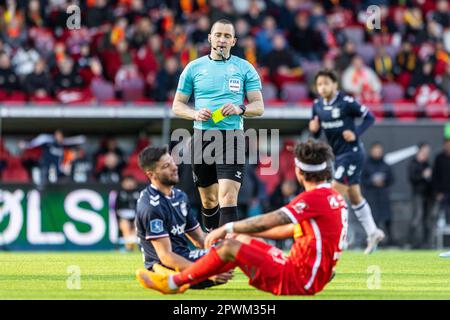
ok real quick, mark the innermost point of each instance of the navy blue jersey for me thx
(339, 115)
(160, 216)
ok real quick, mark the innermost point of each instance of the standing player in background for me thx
(317, 219)
(219, 83)
(335, 113)
(126, 201)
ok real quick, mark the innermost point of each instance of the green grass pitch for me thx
(110, 275)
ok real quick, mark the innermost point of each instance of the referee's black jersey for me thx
(161, 216)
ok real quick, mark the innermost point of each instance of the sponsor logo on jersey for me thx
(178, 230)
(299, 206)
(332, 124)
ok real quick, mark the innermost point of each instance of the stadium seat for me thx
(405, 111)
(294, 92)
(75, 96)
(3, 95)
(437, 111)
(377, 109)
(14, 97)
(32, 154)
(367, 52)
(43, 101)
(15, 172)
(4, 153)
(269, 92)
(133, 169)
(102, 90)
(392, 92)
(133, 89)
(355, 34)
(310, 68)
(113, 103)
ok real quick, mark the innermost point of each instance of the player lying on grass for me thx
(335, 114)
(317, 219)
(164, 221)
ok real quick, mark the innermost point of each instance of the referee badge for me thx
(234, 85)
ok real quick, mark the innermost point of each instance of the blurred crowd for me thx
(429, 180)
(134, 50)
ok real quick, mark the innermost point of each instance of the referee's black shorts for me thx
(213, 159)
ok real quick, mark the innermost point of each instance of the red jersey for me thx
(320, 219)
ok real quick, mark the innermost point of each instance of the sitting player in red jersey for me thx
(317, 219)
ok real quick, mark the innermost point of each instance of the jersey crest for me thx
(156, 225)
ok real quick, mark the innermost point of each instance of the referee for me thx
(219, 81)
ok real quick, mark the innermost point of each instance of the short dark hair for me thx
(331, 74)
(128, 177)
(376, 144)
(224, 21)
(149, 156)
(422, 144)
(315, 152)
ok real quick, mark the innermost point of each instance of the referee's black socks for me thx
(228, 214)
(210, 218)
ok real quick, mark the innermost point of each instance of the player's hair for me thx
(331, 74)
(224, 21)
(315, 152)
(422, 144)
(376, 144)
(127, 177)
(149, 156)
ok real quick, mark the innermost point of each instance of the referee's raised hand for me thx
(202, 115)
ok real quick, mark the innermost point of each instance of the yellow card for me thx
(217, 115)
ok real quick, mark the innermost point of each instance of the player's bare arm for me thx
(170, 259)
(255, 107)
(349, 135)
(251, 225)
(314, 125)
(277, 233)
(174, 261)
(182, 110)
(197, 237)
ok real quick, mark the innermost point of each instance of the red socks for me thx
(205, 267)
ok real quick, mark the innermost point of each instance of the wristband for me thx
(243, 108)
(229, 227)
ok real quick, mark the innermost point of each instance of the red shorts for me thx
(267, 268)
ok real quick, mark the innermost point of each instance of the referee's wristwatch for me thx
(243, 108)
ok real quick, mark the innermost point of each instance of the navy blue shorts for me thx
(348, 167)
